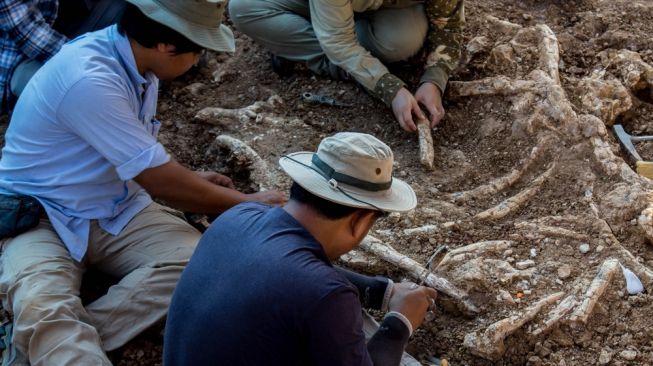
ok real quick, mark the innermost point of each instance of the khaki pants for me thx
(284, 27)
(39, 283)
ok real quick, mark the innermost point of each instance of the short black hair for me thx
(324, 208)
(148, 33)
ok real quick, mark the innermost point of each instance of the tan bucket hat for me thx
(198, 20)
(352, 169)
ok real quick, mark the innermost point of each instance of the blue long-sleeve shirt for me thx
(83, 128)
(259, 290)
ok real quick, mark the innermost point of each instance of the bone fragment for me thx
(606, 99)
(534, 231)
(505, 272)
(244, 156)
(498, 85)
(629, 67)
(489, 343)
(594, 292)
(417, 272)
(473, 250)
(515, 202)
(501, 183)
(626, 257)
(564, 308)
(503, 26)
(223, 116)
(549, 53)
(426, 153)
(645, 222)
(426, 229)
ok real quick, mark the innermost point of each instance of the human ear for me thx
(361, 223)
(165, 48)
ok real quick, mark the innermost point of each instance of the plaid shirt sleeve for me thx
(28, 25)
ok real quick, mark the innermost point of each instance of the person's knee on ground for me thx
(393, 35)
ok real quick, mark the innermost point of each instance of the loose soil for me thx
(473, 144)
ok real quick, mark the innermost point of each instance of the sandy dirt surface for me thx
(537, 167)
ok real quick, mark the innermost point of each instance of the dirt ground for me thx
(577, 214)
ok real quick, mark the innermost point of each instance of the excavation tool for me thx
(321, 99)
(644, 168)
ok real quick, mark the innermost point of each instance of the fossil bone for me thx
(418, 272)
(515, 202)
(595, 290)
(222, 116)
(489, 343)
(244, 156)
(426, 152)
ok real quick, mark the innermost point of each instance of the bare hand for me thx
(270, 197)
(429, 96)
(412, 301)
(404, 106)
(217, 179)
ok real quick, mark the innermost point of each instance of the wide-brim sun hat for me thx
(198, 20)
(351, 169)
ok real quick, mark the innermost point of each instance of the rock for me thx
(195, 88)
(542, 350)
(606, 99)
(507, 253)
(584, 248)
(605, 357)
(478, 44)
(525, 264)
(502, 57)
(504, 296)
(533, 253)
(448, 225)
(534, 361)
(564, 271)
(600, 248)
(629, 355)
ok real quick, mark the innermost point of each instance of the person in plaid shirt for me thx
(31, 32)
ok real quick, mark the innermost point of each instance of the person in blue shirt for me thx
(83, 142)
(261, 288)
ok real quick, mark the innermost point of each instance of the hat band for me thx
(330, 173)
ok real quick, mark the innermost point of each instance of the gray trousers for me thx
(103, 14)
(284, 28)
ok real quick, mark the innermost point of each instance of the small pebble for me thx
(628, 354)
(605, 357)
(505, 297)
(448, 224)
(524, 264)
(534, 361)
(584, 248)
(564, 271)
(600, 248)
(507, 253)
(533, 253)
